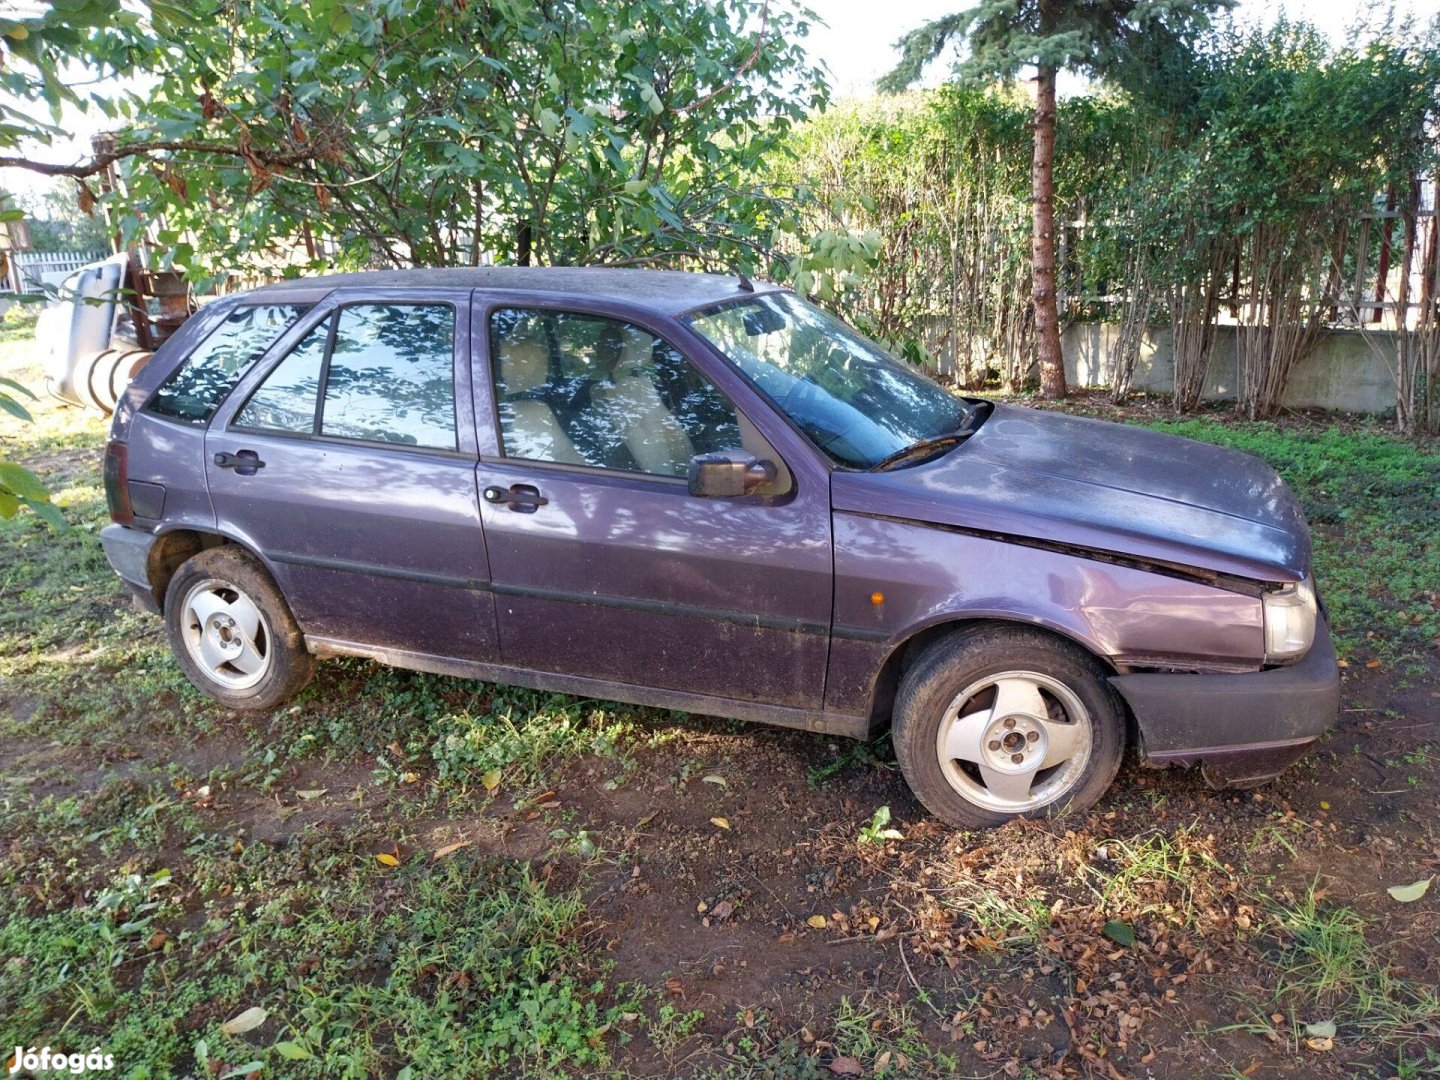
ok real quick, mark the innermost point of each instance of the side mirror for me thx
(727, 474)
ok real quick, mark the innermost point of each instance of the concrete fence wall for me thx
(1348, 370)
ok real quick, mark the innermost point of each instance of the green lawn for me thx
(166, 867)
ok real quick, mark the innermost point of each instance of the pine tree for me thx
(1126, 41)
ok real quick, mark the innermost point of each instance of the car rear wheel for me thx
(233, 633)
(1002, 722)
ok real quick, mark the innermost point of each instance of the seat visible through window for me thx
(581, 389)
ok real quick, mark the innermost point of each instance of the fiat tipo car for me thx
(691, 492)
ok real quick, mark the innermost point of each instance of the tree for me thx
(445, 132)
(1123, 40)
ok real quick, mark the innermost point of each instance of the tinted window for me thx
(286, 399)
(856, 403)
(585, 390)
(391, 376)
(195, 389)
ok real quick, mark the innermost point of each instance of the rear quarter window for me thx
(195, 389)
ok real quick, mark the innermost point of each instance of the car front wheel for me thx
(1001, 722)
(233, 633)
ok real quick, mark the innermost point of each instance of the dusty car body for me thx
(692, 492)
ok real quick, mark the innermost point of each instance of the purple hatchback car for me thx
(685, 491)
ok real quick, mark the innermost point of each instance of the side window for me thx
(388, 377)
(286, 399)
(196, 388)
(392, 375)
(587, 390)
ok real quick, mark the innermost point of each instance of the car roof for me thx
(669, 292)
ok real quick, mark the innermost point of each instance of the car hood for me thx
(1109, 487)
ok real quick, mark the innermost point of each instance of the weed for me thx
(1326, 967)
(878, 830)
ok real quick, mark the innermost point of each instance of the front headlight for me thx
(1289, 621)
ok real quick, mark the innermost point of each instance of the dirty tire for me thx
(231, 575)
(1014, 661)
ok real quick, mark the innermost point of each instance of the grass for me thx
(1326, 967)
(440, 966)
(470, 963)
(166, 866)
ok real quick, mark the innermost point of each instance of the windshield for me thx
(857, 404)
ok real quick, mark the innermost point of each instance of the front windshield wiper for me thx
(924, 447)
(919, 449)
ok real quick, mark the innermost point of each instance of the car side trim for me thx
(377, 570)
(739, 618)
(828, 723)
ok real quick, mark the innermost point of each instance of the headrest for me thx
(637, 351)
(524, 362)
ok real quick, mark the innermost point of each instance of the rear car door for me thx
(602, 563)
(348, 464)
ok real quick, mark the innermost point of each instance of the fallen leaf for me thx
(410, 778)
(386, 859)
(722, 910)
(1324, 805)
(675, 986)
(1319, 1044)
(720, 821)
(882, 1062)
(312, 793)
(248, 1020)
(491, 780)
(1120, 933)
(715, 778)
(1368, 664)
(846, 1066)
(1408, 894)
(819, 922)
(448, 849)
(873, 922)
(394, 748)
(158, 938)
(1323, 1029)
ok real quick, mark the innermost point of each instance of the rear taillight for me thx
(117, 482)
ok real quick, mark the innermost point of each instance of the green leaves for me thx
(438, 133)
(21, 482)
(1120, 933)
(18, 485)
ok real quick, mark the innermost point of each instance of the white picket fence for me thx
(29, 270)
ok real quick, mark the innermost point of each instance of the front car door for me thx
(348, 464)
(602, 563)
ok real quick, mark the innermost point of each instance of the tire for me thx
(1056, 701)
(232, 632)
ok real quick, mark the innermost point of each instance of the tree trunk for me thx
(524, 240)
(1042, 247)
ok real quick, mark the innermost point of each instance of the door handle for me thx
(520, 497)
(244, 462)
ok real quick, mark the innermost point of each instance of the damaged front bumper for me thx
(1241, 729)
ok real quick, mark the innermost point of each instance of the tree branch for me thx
(99, 162)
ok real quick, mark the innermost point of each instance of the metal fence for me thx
(29, 270)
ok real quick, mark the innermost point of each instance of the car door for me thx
(348, 464)
(602, 563)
